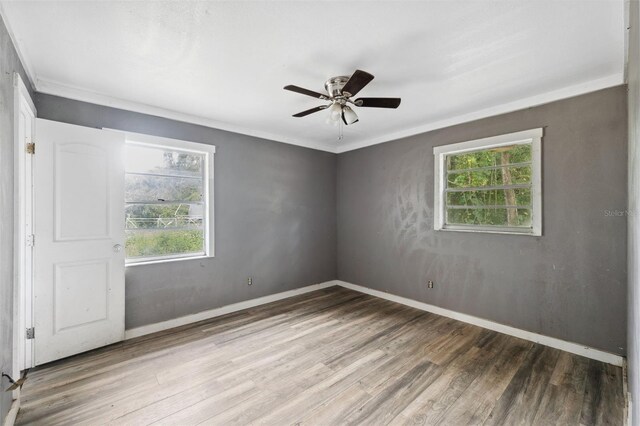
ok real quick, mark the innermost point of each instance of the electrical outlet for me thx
(429, 284)
(250, 281)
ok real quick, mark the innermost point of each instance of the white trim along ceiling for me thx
(450, 62)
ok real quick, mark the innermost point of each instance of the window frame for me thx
(208, 198)
(531, 136)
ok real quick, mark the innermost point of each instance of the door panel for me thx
(91, 221)
(81, 293)
(79, 229)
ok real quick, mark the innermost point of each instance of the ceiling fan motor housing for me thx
(335, 84)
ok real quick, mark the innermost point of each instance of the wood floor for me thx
(333, 356)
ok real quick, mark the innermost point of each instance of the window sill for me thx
(528, 233)
(168, 260)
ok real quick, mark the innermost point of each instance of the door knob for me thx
(117, 248)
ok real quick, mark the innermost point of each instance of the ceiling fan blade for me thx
(305, 92)
(356, 82)
(378, 102)
(311, 111)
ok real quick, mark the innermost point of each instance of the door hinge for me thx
(31, 333)
(31, 240)
(31, 148)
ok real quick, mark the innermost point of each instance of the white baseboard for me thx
(553, 342)
(10, 418)
(212, 313)
(571, 347)
(627, 394)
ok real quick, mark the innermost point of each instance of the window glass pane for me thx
(146, 159)
(145, 243)
(162, 188)
(164, 216)
(495, 197)
(490, 157)
(490, 188)
(165, 210)
(493, 169)
(501, 175)
(511, 217)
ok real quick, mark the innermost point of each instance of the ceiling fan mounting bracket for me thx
(335, 84)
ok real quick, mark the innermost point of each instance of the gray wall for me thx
(274, 218)
(570, 283)
(276, 221)
(9, 63)
(633, 351)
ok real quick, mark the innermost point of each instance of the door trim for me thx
(22, 266)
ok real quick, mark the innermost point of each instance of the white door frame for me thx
(23, 227)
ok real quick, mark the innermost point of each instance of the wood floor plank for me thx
(370, 342)
(477, 401)
(520, 401)
(254, 409)
(396, 395)
(335, 410)
(179, 399)
(333, 356)
(205, 408)
(293, 410)
(562, 401)
(430, 406)
(603, 394)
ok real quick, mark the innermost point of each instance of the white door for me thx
(79, 237)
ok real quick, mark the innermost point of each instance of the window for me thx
(490, 185)
(168, 199)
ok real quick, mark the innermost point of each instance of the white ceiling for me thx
(224, 63)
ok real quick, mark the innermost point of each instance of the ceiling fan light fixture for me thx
(330, 121)
(349, 116)
(334, 111)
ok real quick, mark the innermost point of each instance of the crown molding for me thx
(66, 91)
(70, 92)
(545, 98)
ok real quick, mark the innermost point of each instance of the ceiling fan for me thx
(339, 92)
